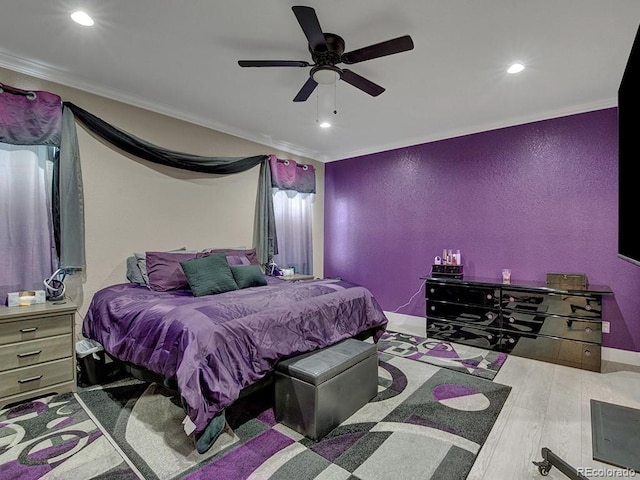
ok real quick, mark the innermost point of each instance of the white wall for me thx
(132, 205)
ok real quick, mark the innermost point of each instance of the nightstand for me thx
(36, 351)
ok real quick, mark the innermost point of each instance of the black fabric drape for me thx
(156, 154)
(265, 239)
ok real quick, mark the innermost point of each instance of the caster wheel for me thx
(544, 470)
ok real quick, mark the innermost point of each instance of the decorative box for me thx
(449, 271)
(571, 281)
(27, 298)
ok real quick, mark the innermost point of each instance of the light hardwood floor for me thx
(549, 406)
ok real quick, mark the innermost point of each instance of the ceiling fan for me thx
(327, 50)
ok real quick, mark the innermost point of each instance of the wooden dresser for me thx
(36, 351)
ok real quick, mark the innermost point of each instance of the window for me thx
(294, 217)
(26, 232)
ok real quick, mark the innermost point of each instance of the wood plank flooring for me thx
(549, 406)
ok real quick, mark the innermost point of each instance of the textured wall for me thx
(536, 198)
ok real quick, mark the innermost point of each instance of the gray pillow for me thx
(134, 275)
(209, 275)
(248, 276)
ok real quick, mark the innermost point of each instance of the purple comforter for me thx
(215, 345)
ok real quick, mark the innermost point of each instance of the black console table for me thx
(524, 318)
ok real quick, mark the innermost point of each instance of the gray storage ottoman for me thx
(317, 391)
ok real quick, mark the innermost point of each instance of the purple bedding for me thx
(215, 345)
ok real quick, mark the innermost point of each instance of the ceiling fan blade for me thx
(306, 90)
(382, 49)
(273, 63)
(362, 83)
(308, 20)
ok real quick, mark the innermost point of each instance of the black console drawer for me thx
(480, 316)
(571, 353)
(455, 332)
(582, 306)
(553, 326)
(485, 296)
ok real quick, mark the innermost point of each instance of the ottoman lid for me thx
(320, 365)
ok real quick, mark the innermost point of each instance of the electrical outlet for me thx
(606, 327)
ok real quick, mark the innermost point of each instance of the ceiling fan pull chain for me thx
(335, 99)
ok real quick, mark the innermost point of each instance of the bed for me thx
(214, 346)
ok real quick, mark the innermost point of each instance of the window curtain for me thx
(294, 186)
(26, 243)
(30, 129)
(265, 240)
(293, 215)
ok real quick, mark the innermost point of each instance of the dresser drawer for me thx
(35, 328)
(571, 353)
(483, 296)
(25, 379)
(480, 316)
(582, 306)
(553, 326)
(27, 353)
(455, 332)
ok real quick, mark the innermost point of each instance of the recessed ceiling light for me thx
(515, 68)
(325, 125)
(82, 18)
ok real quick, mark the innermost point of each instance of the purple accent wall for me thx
(536, 198)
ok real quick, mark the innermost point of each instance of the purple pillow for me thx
(165, 272)
(237, 256)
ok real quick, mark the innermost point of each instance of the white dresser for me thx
(36, 351)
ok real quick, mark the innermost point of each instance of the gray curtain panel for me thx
(68, 202)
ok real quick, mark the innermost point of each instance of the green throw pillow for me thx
(248, 276)
(208, 275)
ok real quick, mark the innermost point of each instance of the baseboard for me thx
(621, 356)
(399, 322)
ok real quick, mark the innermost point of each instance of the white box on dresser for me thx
(36, 351)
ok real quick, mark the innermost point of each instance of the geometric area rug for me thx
(461, 358)
(425, 423)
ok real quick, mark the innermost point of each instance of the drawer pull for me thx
(433, 307)
(29, 354)
(511, 299)
(587, 307)
(490, 316)
(30, 379)
(28, 330)
(588, 330)
(511, 319)
(489, 296)
(432, 290)
(587, 353)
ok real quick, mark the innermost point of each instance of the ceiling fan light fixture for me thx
(325, 75)
(515, 68)
(82, 18)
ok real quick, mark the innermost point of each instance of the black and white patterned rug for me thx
(461, 358)
(426, 422)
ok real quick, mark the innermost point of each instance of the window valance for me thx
(29, 117)
(290, 175)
